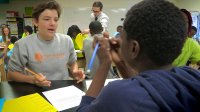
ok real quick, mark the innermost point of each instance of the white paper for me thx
(64, 98)
(78, 51)
(88, 82)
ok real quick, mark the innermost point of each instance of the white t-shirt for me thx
(103, 19)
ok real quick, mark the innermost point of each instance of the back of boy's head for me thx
(95, 27)
(13, 39)
(159, 28)
(73, 29)
(28, 29)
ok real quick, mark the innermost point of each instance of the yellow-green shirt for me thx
(78, 43)
(190, 52)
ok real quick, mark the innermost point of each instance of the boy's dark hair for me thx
(73, 29)
(28, 29)
(159, 28)
(98, 4)
(95, 27)
(13, 39)
(46, 5)
(120, 26)
(194, 28)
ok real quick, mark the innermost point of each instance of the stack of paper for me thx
(88, 82)
(64, 98)
(29, 103)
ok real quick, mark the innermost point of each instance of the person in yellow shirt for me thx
(77, 36)
(191, 49)
(27, 31)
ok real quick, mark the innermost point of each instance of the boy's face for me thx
(192, 32)
(96, 11)
(124, 46)
(47, 24)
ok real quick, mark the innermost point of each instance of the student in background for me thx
(149, 47)
(47, 53)
(6, 34)
(27, 31)
(98, 15)
(119, 29)
(9, 50)
(77, 36)
(192, 32)
(11, 46)
(191, 49)
(95, 29)
(5, 50)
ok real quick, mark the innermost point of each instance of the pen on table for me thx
(93, 57)
(33, 73)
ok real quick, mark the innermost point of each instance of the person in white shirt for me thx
(98, 15)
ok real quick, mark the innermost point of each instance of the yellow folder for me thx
(28, 103)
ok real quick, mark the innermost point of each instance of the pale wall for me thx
(108, 5)
(73, 5)
(16, 5)
(191, 5)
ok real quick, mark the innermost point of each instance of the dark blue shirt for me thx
(176, 90)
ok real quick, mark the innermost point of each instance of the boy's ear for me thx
(135, 49)
(35, 22)
(91, 32)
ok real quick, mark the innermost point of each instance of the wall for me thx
(191, 5)
(78, 12)
(115, 9)
(16, 5)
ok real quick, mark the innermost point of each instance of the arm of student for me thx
(76, 73)
(19, 77)
(102, 71)
(5, 50)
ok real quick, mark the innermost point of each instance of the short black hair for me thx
(13, 39)
(119, 26)
(72, 29)
(98, 4)
(28, 29)
(95, 27)
(159, 28)
(194, 28)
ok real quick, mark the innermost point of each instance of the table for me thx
(10, 90)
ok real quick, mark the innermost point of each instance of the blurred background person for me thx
(28, 30)
(6, 34)
(77, 37)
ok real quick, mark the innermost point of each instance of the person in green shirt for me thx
(77, 37)
(27, 31)
(191, 49)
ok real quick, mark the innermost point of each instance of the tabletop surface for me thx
(10, 90)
